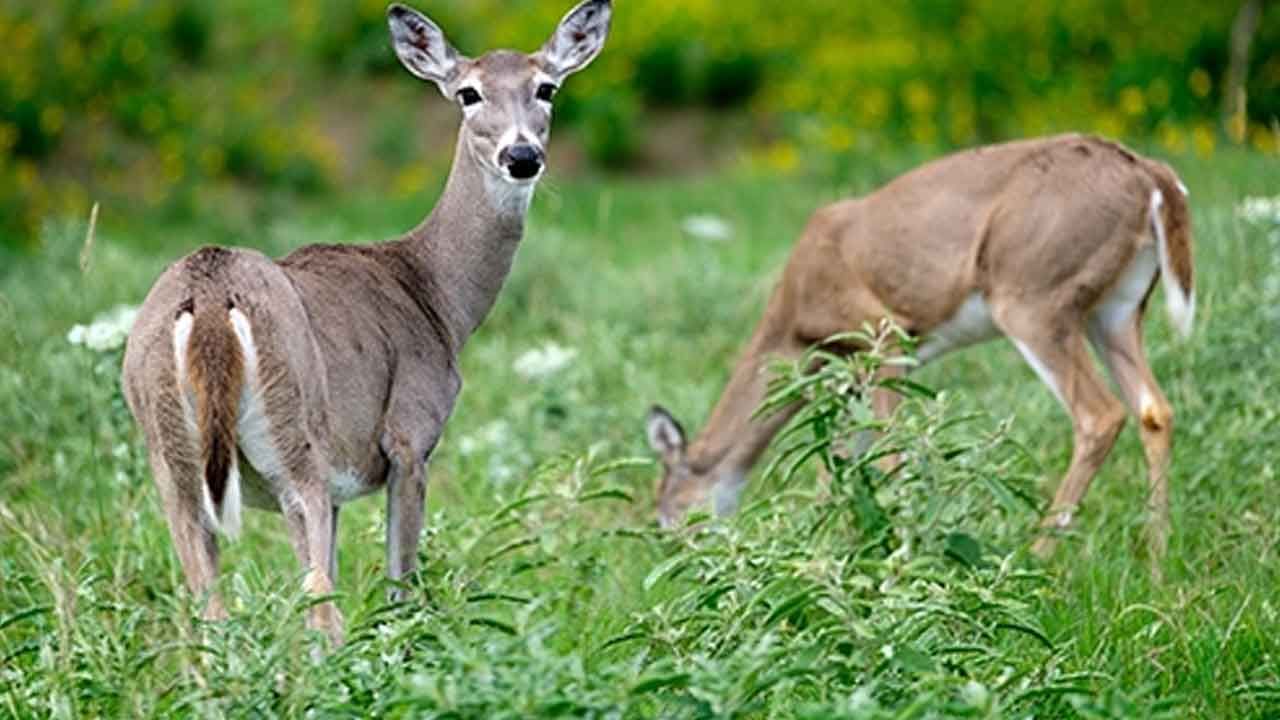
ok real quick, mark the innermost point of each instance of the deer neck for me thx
(468, 241)
(732, 440)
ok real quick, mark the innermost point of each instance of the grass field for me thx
(547, 589)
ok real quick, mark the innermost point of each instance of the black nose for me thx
(522, 161)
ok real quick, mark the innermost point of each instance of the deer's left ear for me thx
(578, 39)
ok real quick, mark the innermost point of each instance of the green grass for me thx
(547, 589)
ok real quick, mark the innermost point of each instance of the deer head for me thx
(505, 97)
(680, 485)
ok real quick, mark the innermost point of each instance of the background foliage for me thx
(171, 104)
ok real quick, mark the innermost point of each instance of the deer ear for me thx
(422, 47)
(666, 437)
(578, 39)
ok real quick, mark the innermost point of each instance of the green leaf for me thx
(912, 660)
(520, 503)
(964, 549)
(1027, 630)
(792, 606)
(500, 626)
(658, 683)
(667, 568)
(509, 547)
(24, 614)
(606, 494)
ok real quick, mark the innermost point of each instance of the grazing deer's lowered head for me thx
(300, 384)
(689, 475)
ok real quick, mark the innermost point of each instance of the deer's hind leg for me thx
(175, 466)
(310, 519)
(1054, 346)
(277, 437)
(309, 516)
(1115, 330)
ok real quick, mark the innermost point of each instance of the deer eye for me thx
(546, 91)
(468, 96)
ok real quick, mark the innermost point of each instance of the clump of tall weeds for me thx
(898, 592)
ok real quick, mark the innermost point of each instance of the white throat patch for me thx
(506, 196)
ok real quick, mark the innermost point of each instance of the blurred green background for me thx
(189, 108)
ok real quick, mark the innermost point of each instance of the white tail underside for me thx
(1180, 304)
(227, 522)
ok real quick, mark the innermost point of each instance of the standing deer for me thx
(1051, 242)
(301, 384)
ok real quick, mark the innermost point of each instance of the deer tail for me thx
(1171, 225)
(215, 371)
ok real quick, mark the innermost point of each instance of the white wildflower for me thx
(976, 694)
(468, 445)
(1260, 210)
(544, 361)
(494, 435)
(707, 227)
(108, 330)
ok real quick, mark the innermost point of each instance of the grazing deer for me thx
(1051, 242)
(300, 384)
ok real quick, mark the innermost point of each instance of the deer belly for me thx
(970, 324)
(348, 485)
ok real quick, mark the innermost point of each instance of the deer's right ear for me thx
(422, 47)
(666, 437)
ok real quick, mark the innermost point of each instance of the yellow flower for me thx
(923, 131)
(782, 156)
(1264, 139)
(1237, 126)
(840, 137)
(1203, 139)
(1108, 124)
(918, 98)
(52, 119)
(1172, 138)
(875, 106)
(1200, 82)
(8, 136)
(1132, 101)
(410, 181)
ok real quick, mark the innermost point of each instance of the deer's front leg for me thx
(406, 498)
(419, 407)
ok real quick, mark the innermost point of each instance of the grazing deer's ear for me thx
(578, 39)
(666, 437)
(422, 47)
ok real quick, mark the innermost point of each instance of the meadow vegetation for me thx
(165, 103)
(547, 589)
